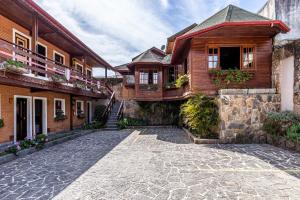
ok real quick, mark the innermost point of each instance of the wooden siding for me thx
(201, 80)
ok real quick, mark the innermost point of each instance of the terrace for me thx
(41, 73)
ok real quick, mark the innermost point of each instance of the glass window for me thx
(144, 77)
(213, 58)
(59, 106)
(79, 68)
(248, 57)
(172, 74)
(79, 107)
(59, 59)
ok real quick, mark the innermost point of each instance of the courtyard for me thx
(153, 163)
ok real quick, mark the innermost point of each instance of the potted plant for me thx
(80, 114)
(182, 81)
(170, 85)
(60, 115)
(15, 67)
(57, 78)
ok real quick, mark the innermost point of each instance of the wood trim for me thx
(62, 55)
(63, 105)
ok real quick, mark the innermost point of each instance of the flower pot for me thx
(58, 79)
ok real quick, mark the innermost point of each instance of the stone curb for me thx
(163, 126)
(196, 140)
(10, 157)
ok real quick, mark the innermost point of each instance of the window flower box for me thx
(80, 114)
(170, 86)
(60, 116)
(16, 67)
(152, 87)
(56, 78)
(79, 85)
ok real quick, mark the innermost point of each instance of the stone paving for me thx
(156, 163)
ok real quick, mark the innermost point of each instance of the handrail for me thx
(109, 106)
(120, 111)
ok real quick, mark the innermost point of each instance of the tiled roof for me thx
(153, 55)
(229, 14)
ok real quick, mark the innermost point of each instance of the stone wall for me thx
(154, 113)
(242, 112)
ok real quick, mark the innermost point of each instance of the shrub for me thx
(40, 141)
(18, 64)
(125, 122)
(25, 144)
(1, 123)
(201, 115)
(14, 149)
(99, 110)
(293, 132)
(182, 81)
(93, 125)
(277, 123)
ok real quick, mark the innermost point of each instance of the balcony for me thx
(22, 67)
(129, 80)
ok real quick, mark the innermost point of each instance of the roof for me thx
(229, 14)
(42, 13)
(122, 67)
(173, 37)
(153, 55)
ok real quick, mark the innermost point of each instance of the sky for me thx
(120, 29)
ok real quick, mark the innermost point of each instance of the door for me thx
(42, 52)
(21, 119)
(287, 84)
(38, 109)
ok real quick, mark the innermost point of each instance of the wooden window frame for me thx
(242, 46)
(60, 54)
(80, 65)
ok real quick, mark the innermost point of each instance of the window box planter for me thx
(16, 67)
(149, 87)
(60, 116)
(79, 85)
(80, 114)
(56, 78)
(170, 86)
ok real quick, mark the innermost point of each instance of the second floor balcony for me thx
(22, 67)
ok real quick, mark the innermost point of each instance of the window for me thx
(143, 77)
(149, 77)
(185, 66)
(172, 74)
(79, 68)
(213, 58)
(59, 58)
(230, 58)
(59, 106)
(248, 57)
(89, 73)
(79, 107)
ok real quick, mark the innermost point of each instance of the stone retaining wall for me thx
(242, 112)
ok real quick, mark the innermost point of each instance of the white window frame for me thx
(76, 64)
(63, 105)
(82, 106)
(62, 55)
(87, 69)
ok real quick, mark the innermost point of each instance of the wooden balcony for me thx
(41, 73)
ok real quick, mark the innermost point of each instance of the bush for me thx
(13, 149)
(293, 132)
(99, 110)
(201, 115)
(25, 144)
(40, 141)
(125, 122)
(182, 81)
(277, 123)
(93, 125)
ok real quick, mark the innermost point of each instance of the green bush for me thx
(93, 125)
(277, 123)
(60, 115)
(1, 123)
(182, 81)
(40, 141)
(231, 76)
(13, 149)
(201, 115)
(293, 132)
(18, 64)
(125, 122)
(25, 144)
(99, 110)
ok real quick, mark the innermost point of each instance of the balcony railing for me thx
(39, 66)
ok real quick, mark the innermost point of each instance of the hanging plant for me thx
(15, 67)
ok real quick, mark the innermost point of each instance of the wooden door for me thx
(21, 119)
(38, 109)
(88, 112)
(41, 51)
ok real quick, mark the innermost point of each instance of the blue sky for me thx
(120, 29)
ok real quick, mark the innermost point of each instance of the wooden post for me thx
(34, 32)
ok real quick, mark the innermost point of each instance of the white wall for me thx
(287, 83)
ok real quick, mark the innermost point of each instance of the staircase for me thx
(112, 120)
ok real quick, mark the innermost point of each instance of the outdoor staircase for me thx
(112, 120)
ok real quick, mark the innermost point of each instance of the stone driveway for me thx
(151, 163)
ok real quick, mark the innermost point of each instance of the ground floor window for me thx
(79, 107)
(230, 58)
(59, 107)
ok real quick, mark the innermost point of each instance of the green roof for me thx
(229, 14)
(153, 55)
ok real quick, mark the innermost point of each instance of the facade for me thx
(46, 81)
(232, 39)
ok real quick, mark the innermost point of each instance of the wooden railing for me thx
(109, 107)
(120, 111)
(41, 66)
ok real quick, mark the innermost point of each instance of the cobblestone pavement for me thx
(152, 163)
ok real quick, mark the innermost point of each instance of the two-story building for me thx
(46, 80)
(231, 39)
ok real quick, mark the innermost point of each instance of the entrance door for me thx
(89, 118)
(287, 83)
(42, 51)
(38, 109)
(21, 118)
